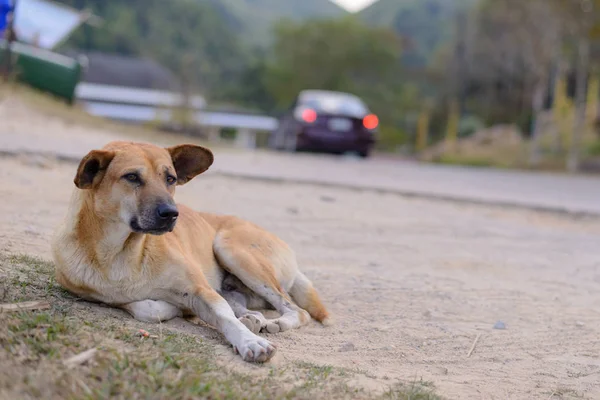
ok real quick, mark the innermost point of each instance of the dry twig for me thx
(24, 306)
(81, 358)
(474, 344)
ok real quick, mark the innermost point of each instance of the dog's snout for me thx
(156, 220)
(167, 211)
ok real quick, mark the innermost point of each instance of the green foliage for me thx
(206, 42)
(339, 54)
(251, 89)
(391, 138)
(469, 124)
(187, 36)
(593, 149)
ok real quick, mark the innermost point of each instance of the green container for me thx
(44, 70)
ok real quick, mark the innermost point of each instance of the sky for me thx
(353, 5)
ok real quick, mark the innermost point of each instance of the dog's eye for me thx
(134, 178)
(171, 180)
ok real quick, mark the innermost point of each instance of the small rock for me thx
(499, 325)
(292, 210)
(349, 346)
(30, 230)
(441, 370)
(328, 199)
(38, 161)
(427, 314)
(579, 324)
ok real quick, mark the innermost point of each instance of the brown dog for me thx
(126, 243)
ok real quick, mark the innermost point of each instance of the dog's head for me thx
(134, 183)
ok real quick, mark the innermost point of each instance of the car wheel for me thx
(364, 154)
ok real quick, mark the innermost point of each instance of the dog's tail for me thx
(305, 295)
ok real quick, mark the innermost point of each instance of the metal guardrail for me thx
(91, 92)
(142, 105)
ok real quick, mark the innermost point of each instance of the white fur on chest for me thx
(125, 276)
(117, 285)
(123, 281)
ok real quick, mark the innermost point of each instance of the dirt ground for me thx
(411, 283)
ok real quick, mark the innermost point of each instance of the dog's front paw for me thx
(256, 350)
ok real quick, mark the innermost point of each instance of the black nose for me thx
(167, 211)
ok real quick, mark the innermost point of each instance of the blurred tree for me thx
(576, 58)
(252, 90)
(515, 45)
(330, 54)
(166, 31)
(520, 47)
(342, 55)
(581, 27)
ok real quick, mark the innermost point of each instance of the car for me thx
(326, 121)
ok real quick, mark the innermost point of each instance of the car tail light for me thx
(309, 115)
(371, 121)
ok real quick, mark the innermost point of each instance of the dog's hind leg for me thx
(152, 310)
(253, 320)
(255, 270)
(240, 298)
(305, 295)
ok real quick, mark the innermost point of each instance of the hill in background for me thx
(425, 25)
(255, 18)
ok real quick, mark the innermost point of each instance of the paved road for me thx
(577, 194)
(558, 192)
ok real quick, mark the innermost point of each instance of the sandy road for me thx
(411, 282)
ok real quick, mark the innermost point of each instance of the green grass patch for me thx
(168, 365)
(468, 161)
(419, 390)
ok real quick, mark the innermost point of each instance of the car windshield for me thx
(333, 103)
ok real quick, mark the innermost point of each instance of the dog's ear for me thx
(92, 168)
(190, 160)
